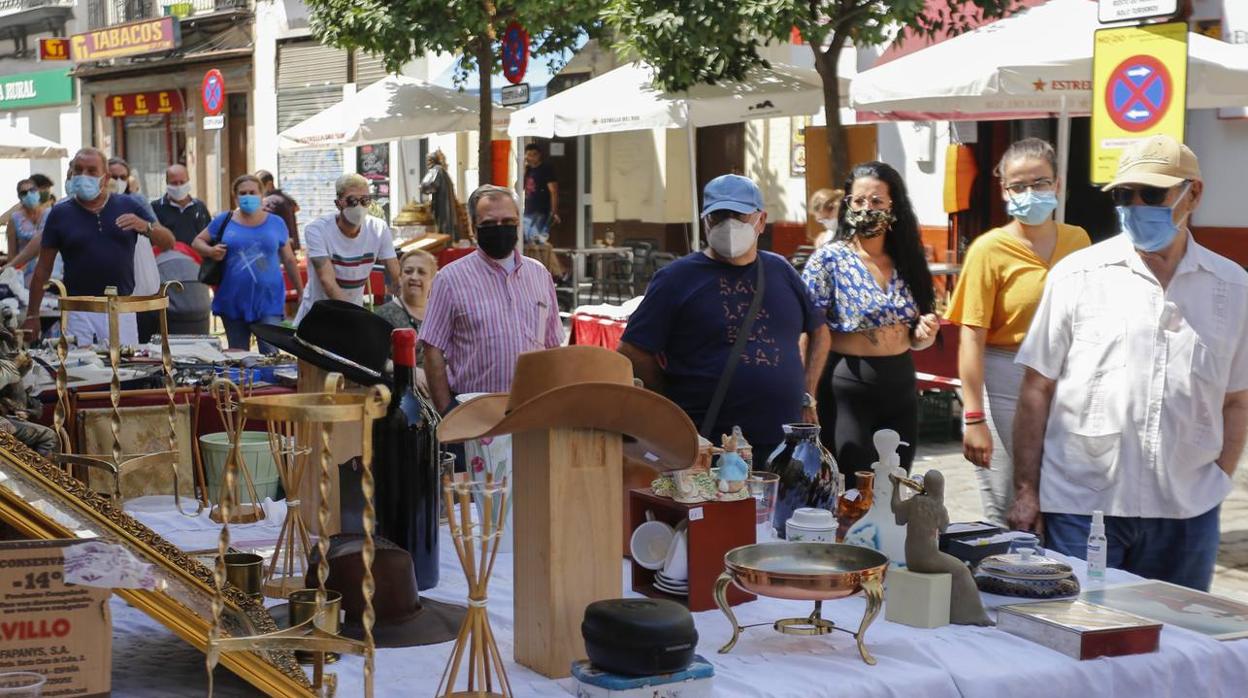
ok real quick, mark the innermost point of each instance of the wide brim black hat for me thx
(336, 336)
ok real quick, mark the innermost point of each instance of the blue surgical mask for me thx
(1033, 207)
(30, 199)
(1150, 228)
(85, 187)
(249, 203)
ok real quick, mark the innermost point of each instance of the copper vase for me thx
(849, 511)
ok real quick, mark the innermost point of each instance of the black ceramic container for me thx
(806, 479)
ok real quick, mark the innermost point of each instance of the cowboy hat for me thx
(578, 387)
(336, 336)
(404, 619)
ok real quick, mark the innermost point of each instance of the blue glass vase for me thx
(807, 476)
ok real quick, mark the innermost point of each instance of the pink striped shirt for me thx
(483, 318)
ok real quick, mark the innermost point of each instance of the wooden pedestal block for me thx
(714, 529)
(567, 496)
(344, 444)
(918, 600)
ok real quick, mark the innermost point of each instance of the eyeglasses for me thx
(860, 202)
(1041, 184)
(358, 200)
(1151, 196)
(24, 192)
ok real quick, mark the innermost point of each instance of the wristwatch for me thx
(149, 229)
(808, 400)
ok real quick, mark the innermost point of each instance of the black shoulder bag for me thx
(734, 357)
(211, 270)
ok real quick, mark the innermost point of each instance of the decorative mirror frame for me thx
(42, 501)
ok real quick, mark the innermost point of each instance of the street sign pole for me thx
(212, 99)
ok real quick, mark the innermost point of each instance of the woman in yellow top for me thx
(998, 290)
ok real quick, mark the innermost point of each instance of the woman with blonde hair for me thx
(416, 271)
(825, 205)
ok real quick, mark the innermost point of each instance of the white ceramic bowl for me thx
(807, 517)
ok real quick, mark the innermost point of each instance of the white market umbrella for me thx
(1035, 63)
(18, 144)
(625, 99)
(394, 107)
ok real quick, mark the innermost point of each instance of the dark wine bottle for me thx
(405, 463)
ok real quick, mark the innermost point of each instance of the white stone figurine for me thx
(878, 529)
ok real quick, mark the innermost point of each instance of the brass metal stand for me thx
(229, 401)
(323, 410)
(485, 662)
(814, 624)
(115, 462)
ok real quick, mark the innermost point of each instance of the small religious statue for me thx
(925, 517)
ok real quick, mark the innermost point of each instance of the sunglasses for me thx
(120, 177)
(358, 201)
(1151, 196)
(24, 192)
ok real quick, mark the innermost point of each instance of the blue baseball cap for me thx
(731, 192)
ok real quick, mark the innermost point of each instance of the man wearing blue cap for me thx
(683, 339)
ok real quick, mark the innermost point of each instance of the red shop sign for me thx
(144, 103)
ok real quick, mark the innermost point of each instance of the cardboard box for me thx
(60, 630)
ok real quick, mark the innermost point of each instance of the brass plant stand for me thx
(485, 662)
(229, 401)
(322, 410)
(116, 462)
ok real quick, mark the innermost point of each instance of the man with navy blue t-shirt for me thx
(95, 234)
(681, 337)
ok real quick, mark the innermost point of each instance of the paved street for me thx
(962, 498)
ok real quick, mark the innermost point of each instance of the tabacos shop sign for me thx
(41, 89)
(135, 38)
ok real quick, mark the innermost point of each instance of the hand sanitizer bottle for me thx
(1097, 552)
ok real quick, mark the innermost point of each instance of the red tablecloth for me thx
(596, 331)
(940, 361)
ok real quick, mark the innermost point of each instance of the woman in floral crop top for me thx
(875, 289)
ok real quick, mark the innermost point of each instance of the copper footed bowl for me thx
(804, 571)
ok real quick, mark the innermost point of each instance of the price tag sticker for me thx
(651, 457)
(696, 514)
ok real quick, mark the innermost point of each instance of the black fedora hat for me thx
(404, 618)
(336, 336)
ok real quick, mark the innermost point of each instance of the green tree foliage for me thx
(401, 30)
(704, 41)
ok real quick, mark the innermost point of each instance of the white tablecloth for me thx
(949, 661)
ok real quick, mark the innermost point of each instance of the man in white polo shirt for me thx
(1135, 400)
(342, 248)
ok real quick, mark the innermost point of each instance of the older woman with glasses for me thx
(875, 289)
(998, 291)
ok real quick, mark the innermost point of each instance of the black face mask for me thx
(497, 241)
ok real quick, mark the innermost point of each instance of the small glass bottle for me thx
(1097, 549)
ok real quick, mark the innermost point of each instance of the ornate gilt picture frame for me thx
(41, 501)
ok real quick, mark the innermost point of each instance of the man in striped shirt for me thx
(342, 248)
(487, 308)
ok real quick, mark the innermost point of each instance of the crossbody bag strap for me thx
(734, 357)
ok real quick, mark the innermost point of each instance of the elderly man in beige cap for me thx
(1135, 400)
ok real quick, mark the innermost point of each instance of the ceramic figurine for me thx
(878, 529)
(808, 474)
(925, 517)
(706, 451)
(732, 469)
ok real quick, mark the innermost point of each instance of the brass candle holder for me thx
(316, 413)
(115, 462)
(229, 406)
(484, 661)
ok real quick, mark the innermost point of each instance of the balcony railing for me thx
(102, 13)
(11, 7)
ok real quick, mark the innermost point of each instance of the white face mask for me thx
(119, 186)
(354, 215)
(177, 192)
(827, 223)
(731, 238)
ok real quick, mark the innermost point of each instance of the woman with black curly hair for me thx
(875, 289)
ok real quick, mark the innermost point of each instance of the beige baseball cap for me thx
(1156, 161)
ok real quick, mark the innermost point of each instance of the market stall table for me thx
(953, 661)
